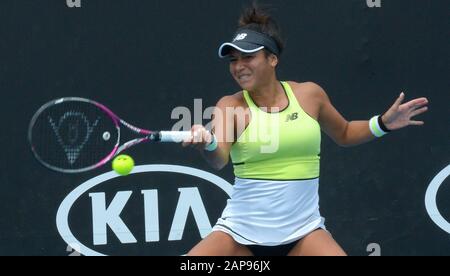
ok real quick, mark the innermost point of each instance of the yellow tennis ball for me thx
(123, 164)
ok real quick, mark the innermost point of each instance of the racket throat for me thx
(155, 137)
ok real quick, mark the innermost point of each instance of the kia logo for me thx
(166, 212)
(430, 200)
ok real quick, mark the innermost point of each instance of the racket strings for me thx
(73, 135)
(75, 144)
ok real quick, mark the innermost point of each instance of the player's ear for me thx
(273, 60)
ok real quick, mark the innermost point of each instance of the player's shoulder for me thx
(233, 100)
(308, 89)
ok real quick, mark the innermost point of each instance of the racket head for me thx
(73, 135)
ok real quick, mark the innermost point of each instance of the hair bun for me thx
(258, 18)
(254, 15)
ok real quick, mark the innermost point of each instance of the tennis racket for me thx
(73, 135)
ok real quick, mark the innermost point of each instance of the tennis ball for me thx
(123, 164)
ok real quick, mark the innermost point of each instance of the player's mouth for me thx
(244, 77)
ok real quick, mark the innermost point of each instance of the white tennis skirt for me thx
(270, 213)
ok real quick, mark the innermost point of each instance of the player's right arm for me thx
(223, 122)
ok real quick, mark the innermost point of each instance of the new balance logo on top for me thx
(240, 37)
(292, 117)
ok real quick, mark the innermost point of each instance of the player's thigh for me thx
(317, 243)
(219, 244)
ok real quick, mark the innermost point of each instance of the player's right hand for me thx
(200, 138)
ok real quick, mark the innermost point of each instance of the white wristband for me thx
(375, 128)
(213, 145)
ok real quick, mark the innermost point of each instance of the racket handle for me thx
(174, 136)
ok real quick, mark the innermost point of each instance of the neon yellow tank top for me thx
(278, 146)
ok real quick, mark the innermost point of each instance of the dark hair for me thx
(257, 18)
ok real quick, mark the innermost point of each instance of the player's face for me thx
(251, 70)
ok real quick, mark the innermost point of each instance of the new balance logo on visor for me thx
(292, 117)
(240, 37)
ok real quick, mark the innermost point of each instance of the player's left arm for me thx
(353, 133)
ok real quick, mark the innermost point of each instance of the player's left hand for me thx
(399, 115)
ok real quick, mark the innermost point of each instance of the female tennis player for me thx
(274, 208)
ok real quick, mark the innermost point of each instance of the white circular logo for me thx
(430, 200)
